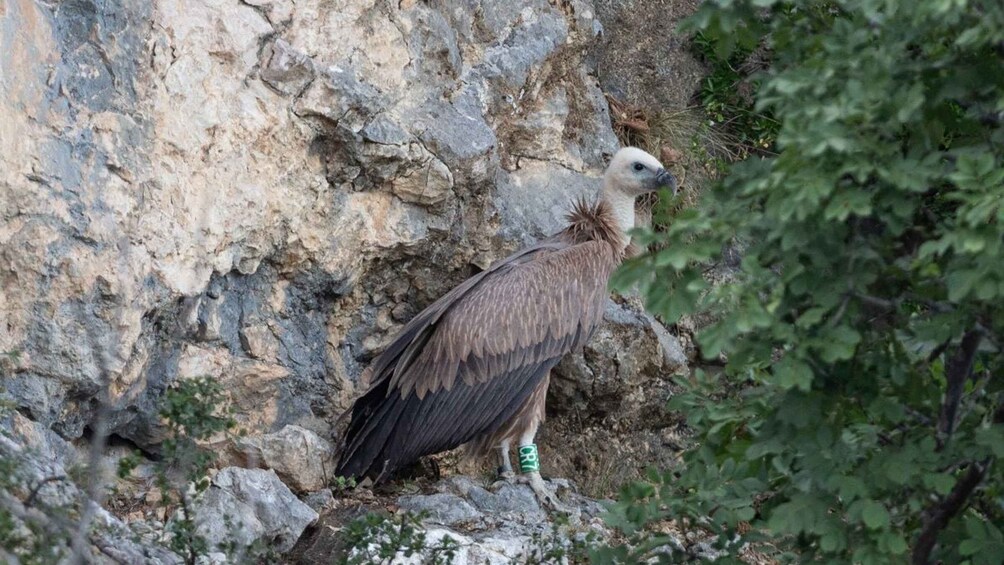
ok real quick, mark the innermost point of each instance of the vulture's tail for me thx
(373, 422)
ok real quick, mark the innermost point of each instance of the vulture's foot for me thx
(548, 497)
(503, 478)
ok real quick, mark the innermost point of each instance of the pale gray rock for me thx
(542, 130)
(501, 525)
(642, 59)
(285, 159)
(456, 131)
(534, 200)
(44, 495)
(302, 459)
(672, 350)
(277, 11)
(538, 34)
(260, 342)
(338, 96)
(442, 508)
(512, 502)
(242, 506)
(286, 69)
(320, 500)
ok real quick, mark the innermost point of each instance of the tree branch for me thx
(938, 515)
(957, 371)
(877, 302)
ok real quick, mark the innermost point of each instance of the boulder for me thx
(300, 458)
(244, 506)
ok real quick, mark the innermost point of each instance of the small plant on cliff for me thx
(379, 538)
(860, 415)
(561, 544)
(341, 484)
(192, 412)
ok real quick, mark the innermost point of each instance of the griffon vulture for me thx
(474, 366)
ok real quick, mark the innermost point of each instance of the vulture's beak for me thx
(665, 179)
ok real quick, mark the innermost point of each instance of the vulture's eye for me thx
(639, 167)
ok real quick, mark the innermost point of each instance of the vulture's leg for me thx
(528, 460)
(505, 469)
(547, 496)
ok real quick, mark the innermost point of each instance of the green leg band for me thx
(528, 460)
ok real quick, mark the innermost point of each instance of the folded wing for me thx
(466, 364)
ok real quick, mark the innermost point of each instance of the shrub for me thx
(379, 538)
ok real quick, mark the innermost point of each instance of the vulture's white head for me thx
(631, 173)
(634, 172)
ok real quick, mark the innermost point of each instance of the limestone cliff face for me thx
(264, 191)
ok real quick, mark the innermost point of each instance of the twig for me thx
(99, 440)
(937, 516)
(938, 350)
(876, 301)
(839, 315)
(34, 492)
(933, 305)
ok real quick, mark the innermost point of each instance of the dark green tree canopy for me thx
(864, 329)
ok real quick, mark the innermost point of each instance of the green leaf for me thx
(792, 373)
(873, 514)
(883, 176)
(992, 438)
(985, 542)
(894, 544)
(941, 483)
(849, 488)
(838, 344)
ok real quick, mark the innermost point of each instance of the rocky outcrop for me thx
(607, 416)
(497, 524)
(302, 459)
(642, 59)
(264, 192)
(42, 504)
(244, 506)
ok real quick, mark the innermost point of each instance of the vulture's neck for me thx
(622, 208)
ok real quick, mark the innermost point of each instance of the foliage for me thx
(378, 538)
(193, 411)
(728, 92)
(561, 544)
(861, 418)
(342, 484)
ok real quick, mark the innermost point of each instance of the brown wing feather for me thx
(540, 301)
